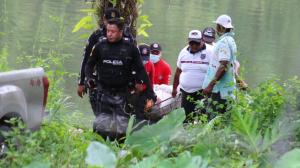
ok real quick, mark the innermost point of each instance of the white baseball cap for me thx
(195, 35)
(225, 21)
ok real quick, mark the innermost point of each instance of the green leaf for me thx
(130, 125)
(91, 10)
(39, 164)
(148, 162)
(185, 159)
(289, 160)
(82, 23)
(113, 2)
(100, 155)
(151, 137)
(144, 24)
(143, 33)
(246, 125)
(140, 1)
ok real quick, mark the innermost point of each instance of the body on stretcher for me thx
(166, 103)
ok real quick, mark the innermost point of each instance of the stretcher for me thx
(166, 103)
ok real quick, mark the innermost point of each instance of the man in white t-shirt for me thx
(192, 64)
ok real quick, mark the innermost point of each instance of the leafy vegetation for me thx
(3, 57)
(238, 143)
(55, 144)
(261, 122)
(131, 13)
(241, 139)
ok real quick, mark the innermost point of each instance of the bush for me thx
(55, 144)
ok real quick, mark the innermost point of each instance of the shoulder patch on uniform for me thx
(126, 39)
(102, 39)
(92, 50)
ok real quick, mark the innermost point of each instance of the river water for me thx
(267, 33)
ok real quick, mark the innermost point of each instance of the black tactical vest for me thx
(114, 65)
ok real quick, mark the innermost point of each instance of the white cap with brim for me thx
(225, 21)
(195, 35)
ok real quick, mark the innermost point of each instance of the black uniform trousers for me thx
(188, 102)
(111, 120)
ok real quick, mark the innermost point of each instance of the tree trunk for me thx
(128, 11)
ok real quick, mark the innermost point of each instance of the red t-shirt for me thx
(162, 72)
(149, 67)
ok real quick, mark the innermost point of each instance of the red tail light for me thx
(46, 87)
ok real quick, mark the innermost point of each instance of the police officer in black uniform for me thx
(100, 33)
(115, 58)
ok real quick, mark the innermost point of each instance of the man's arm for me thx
(92, 40)
(92, 60)
(142, 76)
(241, 83)
(176, 81)
(219, 74)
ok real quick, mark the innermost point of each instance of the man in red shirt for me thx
(162, 70)
(145, 55)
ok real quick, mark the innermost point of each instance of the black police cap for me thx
(144, 51)
(155, 46)
(111, 13)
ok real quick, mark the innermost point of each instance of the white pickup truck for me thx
(23, 94)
